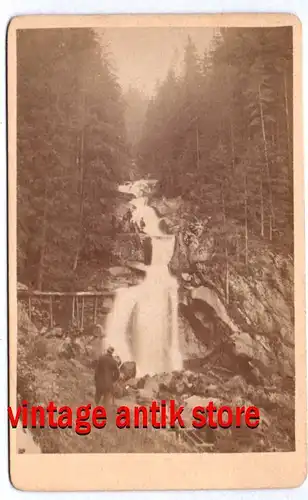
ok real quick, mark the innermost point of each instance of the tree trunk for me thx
(226, 246)
(81, 207)
(40, 274)
(273, 138)
(232, 143)
(237, 248)
(262, 207)
(246, 222)
(266, 158)
(197, 147)
(82, 182)
(290, 162)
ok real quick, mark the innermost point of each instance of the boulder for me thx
(132, 382)
(236, 383)
(148, 250)
(120, 391)
(151, 387)
(143, 397)
(177, 383)
(209, 296)
(257, 349)
(244, 345)
(141, 382)
(201, 385)
(166, 225)
(180, 383)
(128, 370)
(212, 390)
(195, 400)
(165, 381)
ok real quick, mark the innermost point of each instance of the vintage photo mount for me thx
(82, 472)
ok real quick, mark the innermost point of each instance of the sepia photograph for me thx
(155, 239)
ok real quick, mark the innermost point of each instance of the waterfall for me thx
(143, 324)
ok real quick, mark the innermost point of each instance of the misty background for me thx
(143, 56)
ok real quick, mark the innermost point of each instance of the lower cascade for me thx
(143, 323)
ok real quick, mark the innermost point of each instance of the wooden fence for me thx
(78, 300)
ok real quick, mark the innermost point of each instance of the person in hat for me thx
(106, 374)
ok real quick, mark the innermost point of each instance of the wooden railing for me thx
(77, 303)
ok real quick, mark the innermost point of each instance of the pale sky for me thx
(143, 55)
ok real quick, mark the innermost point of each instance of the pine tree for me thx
(71, 144)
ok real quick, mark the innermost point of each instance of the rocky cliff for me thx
(249, 332)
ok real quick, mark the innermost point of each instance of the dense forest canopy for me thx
(72, 152)
(220, 135)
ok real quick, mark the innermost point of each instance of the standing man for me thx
(106, 374)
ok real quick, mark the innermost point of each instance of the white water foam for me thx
(143, 324)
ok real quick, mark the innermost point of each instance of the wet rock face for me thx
(148, 250)
(180, 259)
(190, 249)
(166, 225)
(258, 356)
(191, 346)
(127, 247)
(193, 242)
(255, 330)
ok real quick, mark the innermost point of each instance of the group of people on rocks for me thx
(133, 225)
(127, 224)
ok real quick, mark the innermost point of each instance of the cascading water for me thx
(143, 324)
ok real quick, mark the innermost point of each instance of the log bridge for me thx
(77, 299)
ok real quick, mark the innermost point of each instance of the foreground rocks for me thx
(44, 375)
(128, 370)
(189, 388)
